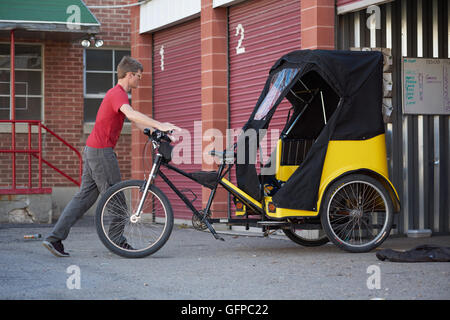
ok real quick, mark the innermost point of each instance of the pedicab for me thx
(326, 180)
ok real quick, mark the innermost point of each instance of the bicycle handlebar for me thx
(158, 135)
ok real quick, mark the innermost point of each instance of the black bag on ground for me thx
(422, 253)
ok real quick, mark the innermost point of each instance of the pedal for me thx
(218, 237)
(212, 230)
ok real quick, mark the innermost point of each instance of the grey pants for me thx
(100, 171)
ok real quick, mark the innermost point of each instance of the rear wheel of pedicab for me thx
(307, 238)
(125, 234)
(357, 213)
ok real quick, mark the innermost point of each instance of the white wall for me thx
(225, 3)
(158, 14)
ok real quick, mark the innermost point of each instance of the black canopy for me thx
(356, 81)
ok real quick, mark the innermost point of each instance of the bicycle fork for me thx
(156, 164)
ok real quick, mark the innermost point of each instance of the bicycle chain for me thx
(197, 223)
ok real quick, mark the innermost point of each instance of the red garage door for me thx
(260, 32)
(177, 99)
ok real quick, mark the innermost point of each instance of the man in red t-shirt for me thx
(100, 168)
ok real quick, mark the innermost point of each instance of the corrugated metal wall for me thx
(418, 145)
(177, 99)
(260, 32)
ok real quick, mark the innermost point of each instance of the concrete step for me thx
(26, 208)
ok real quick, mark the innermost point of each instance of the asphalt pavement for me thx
(194, 266)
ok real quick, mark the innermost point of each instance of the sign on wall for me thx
(425, 88)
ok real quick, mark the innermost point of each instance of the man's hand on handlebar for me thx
(169, 128)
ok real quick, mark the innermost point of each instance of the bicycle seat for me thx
(226, 155)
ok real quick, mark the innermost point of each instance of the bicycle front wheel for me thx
(119, 229)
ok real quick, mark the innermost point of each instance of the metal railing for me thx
(36, 153)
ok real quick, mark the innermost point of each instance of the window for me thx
(28, 73)
(100, 75)
(279, 82)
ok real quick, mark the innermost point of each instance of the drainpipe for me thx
(13, 107)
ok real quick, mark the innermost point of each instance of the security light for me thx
(91, 40)
(98, 43)
(85, 43)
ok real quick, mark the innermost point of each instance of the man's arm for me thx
(141, 126)
(142, 121)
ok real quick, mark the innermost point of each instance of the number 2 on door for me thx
(240, 30)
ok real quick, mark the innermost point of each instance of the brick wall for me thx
(63, 108)
(141, 49)
(116, 23)
(317, 18)
(214, 88)
(63, 104)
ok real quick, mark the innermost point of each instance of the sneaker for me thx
(56, 248)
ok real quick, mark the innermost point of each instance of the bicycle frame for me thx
(220, 180)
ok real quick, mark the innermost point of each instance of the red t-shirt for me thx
(109, 121)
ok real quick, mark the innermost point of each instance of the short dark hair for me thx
(128, 64)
